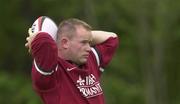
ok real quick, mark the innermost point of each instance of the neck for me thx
(63, 54)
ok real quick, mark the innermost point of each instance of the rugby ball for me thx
(45, 24)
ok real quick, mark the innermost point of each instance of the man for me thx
(68, 71)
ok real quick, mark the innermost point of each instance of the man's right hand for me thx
(29, 39)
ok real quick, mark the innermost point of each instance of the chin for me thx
(83, 61)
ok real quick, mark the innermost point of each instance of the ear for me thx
(65, 42)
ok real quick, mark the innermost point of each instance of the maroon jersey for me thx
(59, 81)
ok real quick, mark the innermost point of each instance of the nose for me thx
(88, 48)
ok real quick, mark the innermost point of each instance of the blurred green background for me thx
(145, 69)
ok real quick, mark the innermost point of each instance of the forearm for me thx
(101, 36)
(44, 51)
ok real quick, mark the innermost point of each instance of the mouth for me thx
(86, 55)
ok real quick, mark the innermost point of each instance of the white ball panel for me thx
(48, 26)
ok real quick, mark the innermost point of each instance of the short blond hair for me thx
(69, 26)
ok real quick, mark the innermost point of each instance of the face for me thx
(79, 46)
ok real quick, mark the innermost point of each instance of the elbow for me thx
(116, 40)
(112, 34)
(115, 35)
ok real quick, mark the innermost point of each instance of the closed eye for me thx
(86, 41)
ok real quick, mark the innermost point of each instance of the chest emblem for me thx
(89, 86)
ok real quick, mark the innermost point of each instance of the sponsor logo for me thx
(88, 86)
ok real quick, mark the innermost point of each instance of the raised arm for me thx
(105, 43)
(44, 53)
(101, 36)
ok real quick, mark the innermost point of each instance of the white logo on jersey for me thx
(69, 69)
(88, 86)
